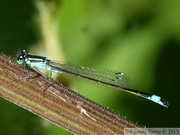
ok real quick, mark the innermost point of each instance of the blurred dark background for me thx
(138, 37)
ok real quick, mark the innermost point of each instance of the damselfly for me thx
(114, 79)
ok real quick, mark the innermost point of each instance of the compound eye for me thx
(20, 59)
(24, 51)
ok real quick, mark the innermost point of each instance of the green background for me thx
(138, 37)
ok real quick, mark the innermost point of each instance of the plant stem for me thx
(55, 103)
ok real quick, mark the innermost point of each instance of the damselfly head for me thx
(22, 56)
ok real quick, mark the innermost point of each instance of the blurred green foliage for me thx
(139, 37)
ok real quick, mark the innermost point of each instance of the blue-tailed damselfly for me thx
(114, 79)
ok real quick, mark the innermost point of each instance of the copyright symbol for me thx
(164, 131)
